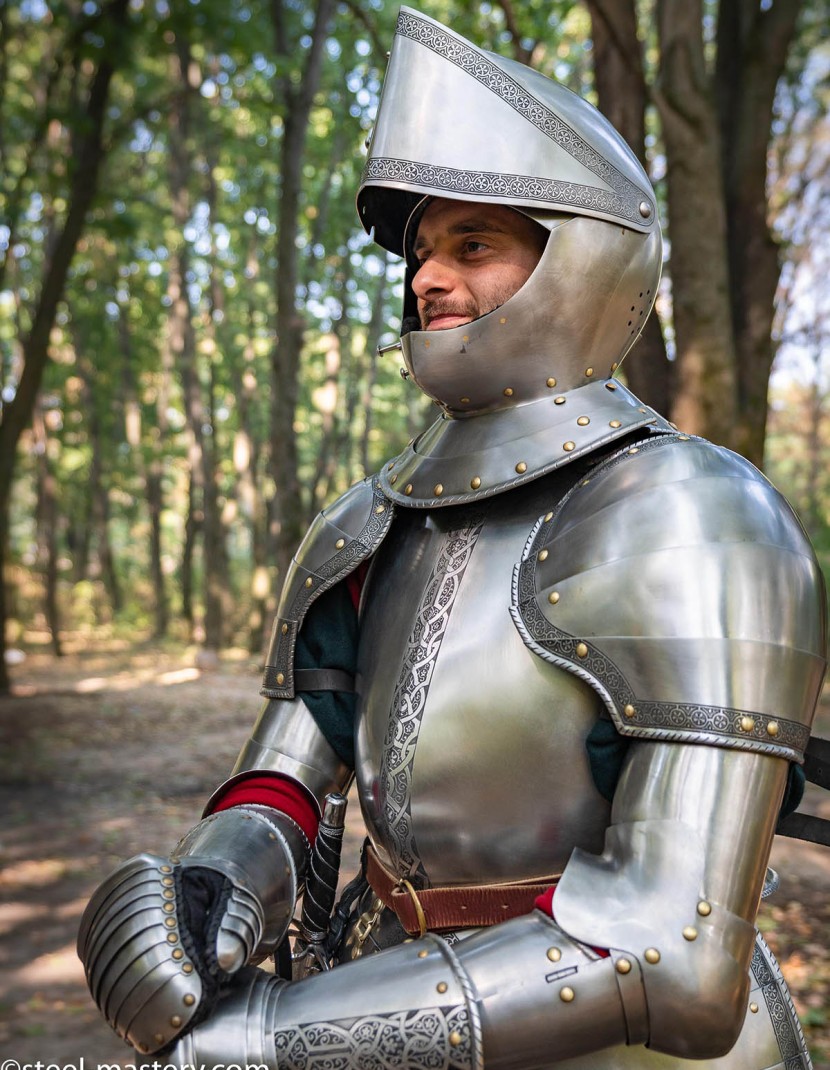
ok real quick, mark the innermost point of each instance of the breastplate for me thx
(471, 760)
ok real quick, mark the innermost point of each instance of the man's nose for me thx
(433, 277)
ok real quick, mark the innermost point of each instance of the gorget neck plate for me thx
(466, 459)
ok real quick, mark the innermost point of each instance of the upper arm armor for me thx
(679, 584)
(340, 538)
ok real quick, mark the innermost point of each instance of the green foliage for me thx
(113, 395)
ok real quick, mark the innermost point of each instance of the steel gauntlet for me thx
(160, 936)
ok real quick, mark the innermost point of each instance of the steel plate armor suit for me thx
(585, 657)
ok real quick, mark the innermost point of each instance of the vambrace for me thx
(505, 995)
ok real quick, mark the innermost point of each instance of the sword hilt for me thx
(324, 870)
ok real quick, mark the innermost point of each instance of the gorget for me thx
(467, 458)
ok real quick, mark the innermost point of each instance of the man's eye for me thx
(474, 246)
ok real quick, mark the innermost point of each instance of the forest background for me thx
(189, 310)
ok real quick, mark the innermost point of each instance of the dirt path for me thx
(106, 754)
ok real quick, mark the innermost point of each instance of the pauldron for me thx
(677, 582)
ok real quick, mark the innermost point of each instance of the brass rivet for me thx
(167, 881)
(438, 489)
(521, 468)
(187, 968)
(158, 1038)
(652, 955)
(309, 581)
(623, 966)
(168, 893)
(589, 372)
(176, 1021)
(465, 338)
(503, 319)
(407, 489)
(559, 401)
(747, 724)
(172, 938)
(168, 907)
(543, 555)
(280, 678)
(427, 344)
(393, 479)
(630, 711)
(454, 1038)
(166, 869)
(551, 382)
(465, 401)
(548, 516)
(189, 999)
(475, 482)
(567, 446)
(614, 367)
(554, 954)
(508, 391)
(340, 544)
(754, 1008)
(581, 650)
(690, 933)
(178, 954)
(610, 386)
(772, 728)
(641, 409)
(423, 954)
(284, 629)
(634, 449)
(614, 423)
(566, 994)
(553, 597)
(170, 923)
(683, 438)
(704, 908)
(390, 466)
(441, 987)
(583, 421)
(380, 509)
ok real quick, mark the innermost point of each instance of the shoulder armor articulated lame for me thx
(678, 583)
(340, 538)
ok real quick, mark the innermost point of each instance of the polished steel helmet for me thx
(457, 122)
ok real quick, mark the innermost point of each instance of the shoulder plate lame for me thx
(340, 538)
(679, 584)
(465, 459)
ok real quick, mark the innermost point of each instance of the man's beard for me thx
(471, 310)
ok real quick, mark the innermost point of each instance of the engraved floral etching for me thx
(435, 1039)
(623, 199)
(409, 699)
(779, 1005)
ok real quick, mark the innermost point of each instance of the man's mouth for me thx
(438, 317)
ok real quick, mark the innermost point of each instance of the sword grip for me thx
(324, 869)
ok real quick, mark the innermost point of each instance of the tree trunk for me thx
(47, 523)
(622, 95)
(288, 512)
(87, 160)
(753, 44)
(706, 398)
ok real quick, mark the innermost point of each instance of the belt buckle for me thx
(403, 885)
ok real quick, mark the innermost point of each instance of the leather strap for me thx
(323, 680)
(450, 908)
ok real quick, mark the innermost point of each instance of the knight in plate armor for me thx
(570, 655)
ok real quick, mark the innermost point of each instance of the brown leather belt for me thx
(450, 908)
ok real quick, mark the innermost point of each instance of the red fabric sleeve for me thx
(544, 902)
(355, 581)
(280, 793)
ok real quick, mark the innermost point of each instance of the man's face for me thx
(472, 257)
